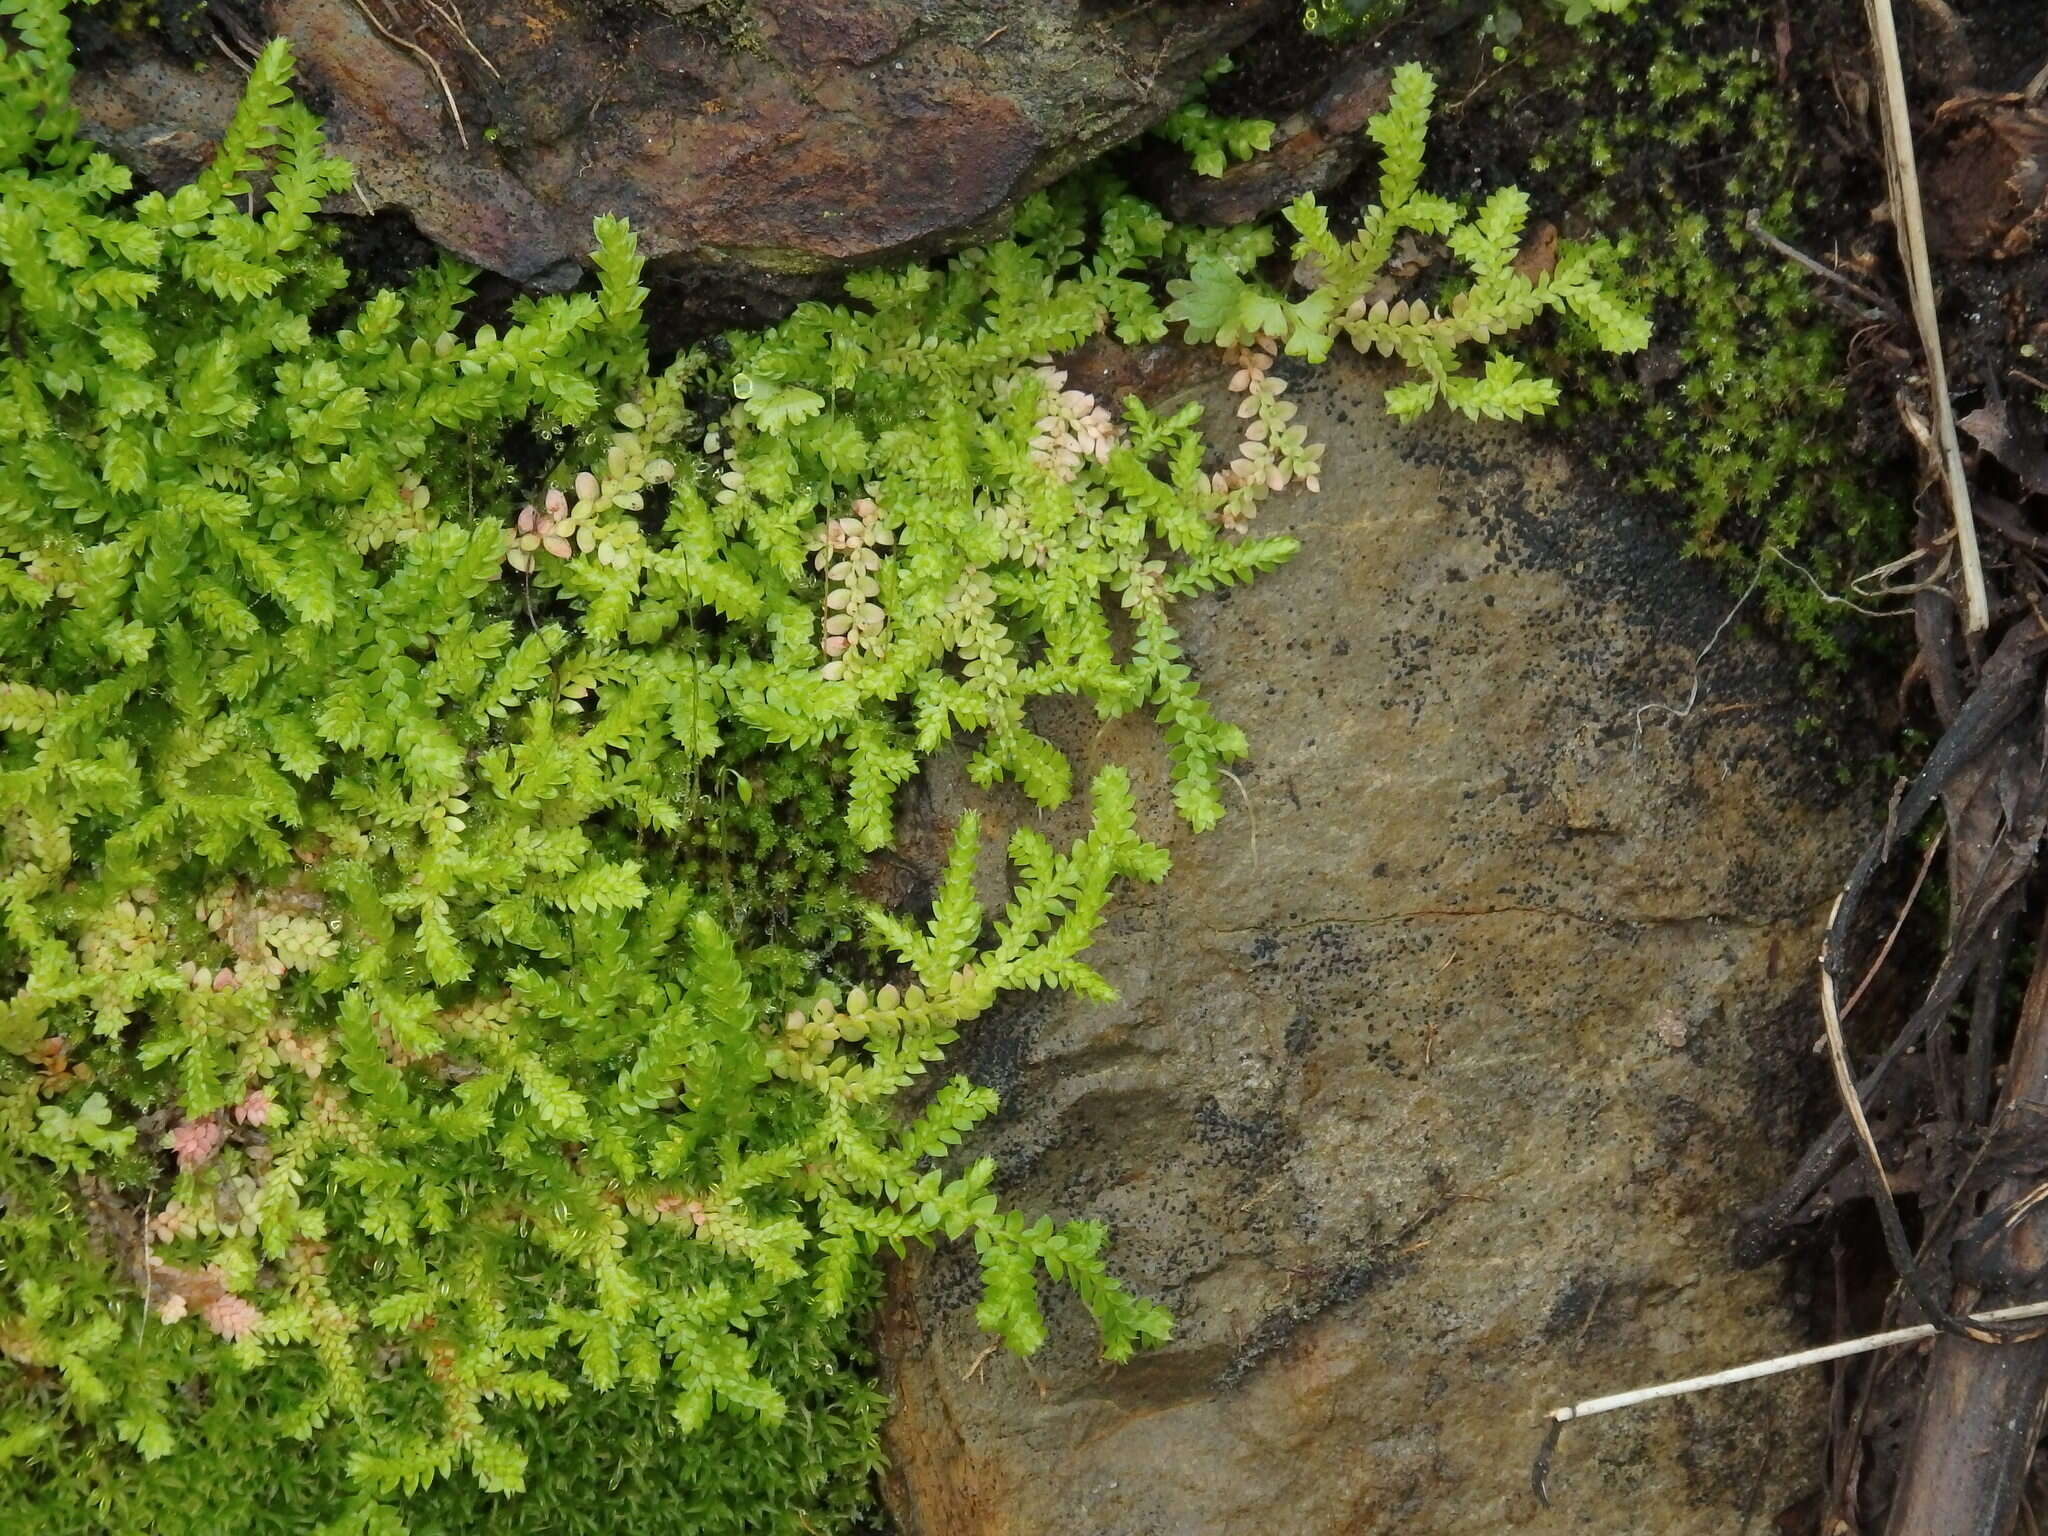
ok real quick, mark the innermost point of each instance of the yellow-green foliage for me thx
(905, 447)
(419, 1039)
(371, 1035)
(1213, 140)
(1351, 295)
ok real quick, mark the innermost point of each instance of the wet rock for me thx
(1440, 1068)
(779, 138)
(1312, 151)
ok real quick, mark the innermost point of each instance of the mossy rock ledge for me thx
(766, 141)
(1438, 1069)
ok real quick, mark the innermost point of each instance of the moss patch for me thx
(1666, 135)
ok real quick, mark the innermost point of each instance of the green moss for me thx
(599, 1464)
(1349, 18)
(1675, 132)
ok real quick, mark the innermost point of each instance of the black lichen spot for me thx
(1246, 1143)
(1575, 1304)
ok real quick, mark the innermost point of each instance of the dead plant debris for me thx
(1942, 1137)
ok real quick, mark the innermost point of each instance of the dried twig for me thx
(1966, 1466)
(2009, 681)
(453, 17)
(1756, 1370)
(431, 62)
(1878, 306)
(1900, 1249)
(1692, 698)
(1778, 1365)
(1903, 175)
(228, 52)
(1905, 911)
(2006, 687)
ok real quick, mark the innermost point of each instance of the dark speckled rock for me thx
(776, 138)
(1438, 1069)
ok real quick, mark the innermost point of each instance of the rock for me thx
(1440, 1068)
(1312, 151)
(778, 138)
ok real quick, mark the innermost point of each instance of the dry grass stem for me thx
(1902, 173)
(1905, 910)
(431, 62)
(453, 17)
(1878, 306)
(1778, 1365)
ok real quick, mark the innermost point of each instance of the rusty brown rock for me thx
(1439, 1069)
(782, 137)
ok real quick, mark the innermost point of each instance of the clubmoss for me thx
(433, 758)
(601, 1463)
(1213, 141)
(405, 894)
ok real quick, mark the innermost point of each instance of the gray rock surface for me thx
(1439, 1069)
